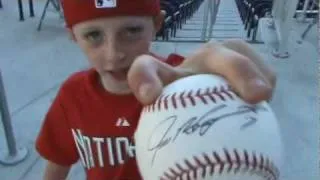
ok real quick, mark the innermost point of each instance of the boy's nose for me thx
(114, 56)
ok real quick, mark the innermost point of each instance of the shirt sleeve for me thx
(55, 141)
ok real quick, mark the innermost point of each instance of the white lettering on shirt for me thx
(101, 151)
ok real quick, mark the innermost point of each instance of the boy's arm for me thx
(54, 171)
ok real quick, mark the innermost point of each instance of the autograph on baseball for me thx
(196, 125)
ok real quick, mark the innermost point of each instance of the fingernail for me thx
(255, 90)
(144, 90)
(261, 83)
(257, 85)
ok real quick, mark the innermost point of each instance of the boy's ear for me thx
(71, 35)
(159, 19)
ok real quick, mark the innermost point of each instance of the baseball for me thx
(199, 129)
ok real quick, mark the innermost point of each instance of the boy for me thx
(95, 112)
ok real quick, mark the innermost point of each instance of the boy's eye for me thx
(131, 31)
(94, 36)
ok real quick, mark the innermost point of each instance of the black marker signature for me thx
(196, 125)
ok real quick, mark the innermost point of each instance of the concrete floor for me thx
(34, 64)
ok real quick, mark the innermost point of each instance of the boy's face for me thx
(111, 45)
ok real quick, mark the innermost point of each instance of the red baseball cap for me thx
(76, 11)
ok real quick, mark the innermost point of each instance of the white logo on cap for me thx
(106, 3)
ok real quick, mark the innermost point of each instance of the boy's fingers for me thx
(242, 74)
(147, 77)
(246, 49)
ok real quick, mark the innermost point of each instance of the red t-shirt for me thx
(87, 123)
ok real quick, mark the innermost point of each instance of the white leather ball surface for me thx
(199, 129)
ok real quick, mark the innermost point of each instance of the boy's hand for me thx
(233, 59)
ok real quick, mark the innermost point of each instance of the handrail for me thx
(14, 155)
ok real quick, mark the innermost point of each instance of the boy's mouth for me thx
(119, 75)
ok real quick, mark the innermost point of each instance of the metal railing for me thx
(21, 12)
(56, 5)
(308, 7)
(315, 3)
(13, 155)
(210, 12)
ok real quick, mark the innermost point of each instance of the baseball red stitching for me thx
(189, 98)
(250, 163)
(258, 165)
